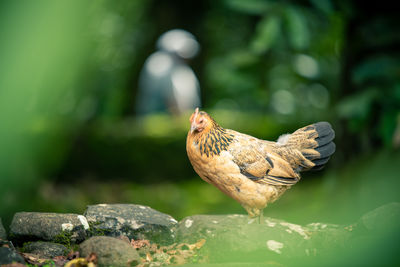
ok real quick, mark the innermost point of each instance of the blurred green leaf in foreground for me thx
(44, 54)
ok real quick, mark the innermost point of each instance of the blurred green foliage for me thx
(68, 81)
(44, 57)
(287, 65)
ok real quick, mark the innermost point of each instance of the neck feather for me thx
(213, 141)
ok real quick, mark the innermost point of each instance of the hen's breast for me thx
(212, 168)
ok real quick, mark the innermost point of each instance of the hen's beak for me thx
(193, 127)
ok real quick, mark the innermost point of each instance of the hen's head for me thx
(200, 121)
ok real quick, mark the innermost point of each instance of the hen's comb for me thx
(194, 115)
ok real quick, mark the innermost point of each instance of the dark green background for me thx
(69, 70)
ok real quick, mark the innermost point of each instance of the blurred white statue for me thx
(167, 83)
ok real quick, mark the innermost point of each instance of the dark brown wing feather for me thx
(271, 169)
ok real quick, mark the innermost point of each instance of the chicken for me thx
(252, 171)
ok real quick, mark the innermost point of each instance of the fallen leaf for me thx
(174, 254)
(172, 251)
(60, 260)
(92, 258)
(140, 243)
(80, 262)
(73, 255)
(198, 244)
(33, 258)
(148, 257)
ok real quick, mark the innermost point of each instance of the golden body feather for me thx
(252, 171)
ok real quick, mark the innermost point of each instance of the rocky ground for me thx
(135, 235)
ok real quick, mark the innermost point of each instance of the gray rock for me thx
(45, 249)
(377, 235)
(3, 234)
(110, 251)
(235, 264)
(57, 227)
(383, 219)
(231, 238)
(9, 255)
(134, 221)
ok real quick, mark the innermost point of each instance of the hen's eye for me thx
(201, 121)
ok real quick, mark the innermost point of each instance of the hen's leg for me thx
(261, 217)
(254, 213)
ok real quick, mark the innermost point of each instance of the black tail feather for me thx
(315, 143)
(326, 147)
(319, 162)
(325, 139)
(326, 150)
